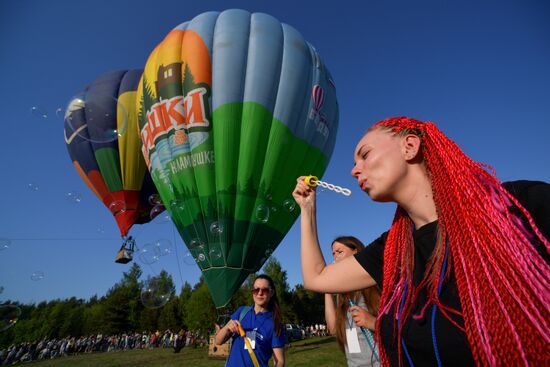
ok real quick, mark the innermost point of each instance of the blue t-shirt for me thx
(259, 327)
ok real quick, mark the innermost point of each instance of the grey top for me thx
(366, 357)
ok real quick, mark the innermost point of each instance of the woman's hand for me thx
(304, 194)
(233, 326)
(363, 318)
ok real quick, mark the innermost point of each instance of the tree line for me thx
(121, 309)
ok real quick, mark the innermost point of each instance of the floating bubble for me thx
(289, 205)
(33, 187)
(156, 211)
(117, 206)
(60, 112)
(149, 254)
(155, 293)
(196, 243)
(96, 118)
(188, 258)
(268, 197)
(274, 209)
(216, 228)
(4, 244)
(262, 213)
(9, 314)
(176, 205)
(39, 112)
(73, 197)
(198, 249)
(37, 275)
(215, 253)
(155, 199)
(164, 246)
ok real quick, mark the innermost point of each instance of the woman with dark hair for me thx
(262, 325)
(354, 316)
(463, 268)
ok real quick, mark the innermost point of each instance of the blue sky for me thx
(479, 69)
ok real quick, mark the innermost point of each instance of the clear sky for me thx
(479, 69)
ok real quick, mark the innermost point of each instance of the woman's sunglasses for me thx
(262, 290)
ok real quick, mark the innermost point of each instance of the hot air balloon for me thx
(232, 108)
(103, 143)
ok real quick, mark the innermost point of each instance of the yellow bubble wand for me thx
(313, 181)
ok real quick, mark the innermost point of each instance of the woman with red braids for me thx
(463, 269)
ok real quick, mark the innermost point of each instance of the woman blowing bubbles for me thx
(462, 269)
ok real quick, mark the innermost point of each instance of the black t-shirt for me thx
(452, 343)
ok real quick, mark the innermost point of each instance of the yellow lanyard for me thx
(249, 347)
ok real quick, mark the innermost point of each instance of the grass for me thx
(316, 352)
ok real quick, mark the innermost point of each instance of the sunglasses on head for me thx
(262, 290)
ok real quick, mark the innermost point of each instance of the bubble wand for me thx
(313, 181)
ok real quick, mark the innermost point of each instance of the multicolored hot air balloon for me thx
(232, 108)
(103, 142)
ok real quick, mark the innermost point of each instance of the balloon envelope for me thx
(232, 108)
(103, 142)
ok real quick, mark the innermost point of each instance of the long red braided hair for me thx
(502, 280)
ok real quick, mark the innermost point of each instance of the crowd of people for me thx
(49, 349)
(55, 348)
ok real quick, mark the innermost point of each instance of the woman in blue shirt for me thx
(262, 325)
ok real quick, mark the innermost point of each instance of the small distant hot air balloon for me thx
(103, 142)
(232, 108)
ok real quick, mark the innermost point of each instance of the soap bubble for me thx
(4, 244)
(96, 118)
(60, 112)
(149, 254)
(155, 293)
(117, 206)
(39, 112)
(155, 199)
(262, 213)
(156, 211)
(37, 275)
(215, 253)
(188, 258)
(164, 247)
(33, 186)
(73, 197)
(216, 228)
(289, 205)
(177, 205)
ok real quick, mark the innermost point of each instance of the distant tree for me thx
(122, 311)
(73, 323)
(308, 306)
(170, 316)
(201, 313)
(274, 269)
(185, 295)
(93, 319)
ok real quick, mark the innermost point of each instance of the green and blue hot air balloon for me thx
(232, 108)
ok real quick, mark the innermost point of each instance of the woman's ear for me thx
(410, 147)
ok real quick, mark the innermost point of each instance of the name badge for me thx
(353, 340)
(251, 336)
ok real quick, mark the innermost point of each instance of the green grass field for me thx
(311, 352)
